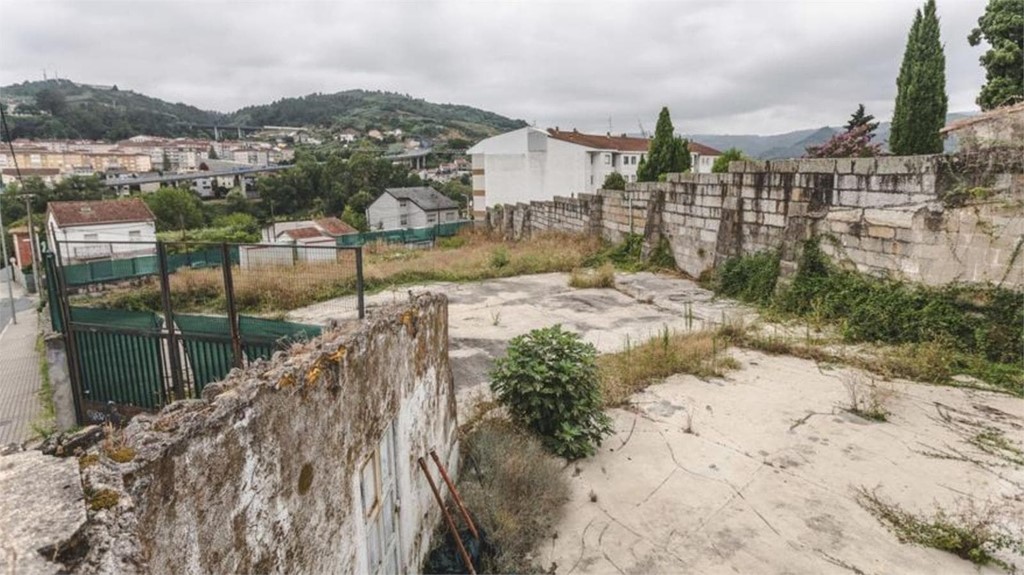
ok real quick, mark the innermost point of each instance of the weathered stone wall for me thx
(929, 219)
(263, 474)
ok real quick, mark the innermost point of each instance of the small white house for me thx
(702, 158)
(93, 230)
(400, 208)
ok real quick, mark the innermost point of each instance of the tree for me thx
(861, 118)
(175, 209)
(52, 101)
(667, 153)
(1002, 27)
(921, 100)
(721, 164)
(212, 154)
(614, 181)
(855, 143)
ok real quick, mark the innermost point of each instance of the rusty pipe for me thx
(455, 494)
(447, 518)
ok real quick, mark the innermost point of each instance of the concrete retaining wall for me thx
(929, 219)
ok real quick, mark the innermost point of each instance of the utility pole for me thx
(36, 272)
(7, 262)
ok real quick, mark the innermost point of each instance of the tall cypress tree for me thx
(921, 101)
(667, 153)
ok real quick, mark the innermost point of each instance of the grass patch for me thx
(977, 535)
(45, 423)
(514, 488)
(627, 255)
(273, 290)
(938, 332)
(637, 366)
(602, 277)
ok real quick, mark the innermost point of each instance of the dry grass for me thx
(584, 278)
(634, 368)
(268, 290)
(868, 398)
(515, 490)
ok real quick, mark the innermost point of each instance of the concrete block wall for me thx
(888, 216)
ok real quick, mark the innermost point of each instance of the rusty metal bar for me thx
(455, 494)
(448, 518)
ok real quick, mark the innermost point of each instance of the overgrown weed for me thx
(978, 535)
(868, 398)
(938, 332)
(515, 490)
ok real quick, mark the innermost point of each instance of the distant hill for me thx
(794, 144)
(71, 110)
(66, 109)
(363, 110)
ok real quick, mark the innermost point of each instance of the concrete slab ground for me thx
(751, 473)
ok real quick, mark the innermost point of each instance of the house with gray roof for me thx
(419, 207)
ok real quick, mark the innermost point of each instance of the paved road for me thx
(21, 304)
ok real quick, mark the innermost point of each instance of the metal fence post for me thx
(359, 282)
(70, 344)
(172, 342)
(229, 293)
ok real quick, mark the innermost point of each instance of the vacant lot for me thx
(757, 471)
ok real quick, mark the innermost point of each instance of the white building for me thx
(529, 164)
(702, 158)
(399, 208)
(100, 229)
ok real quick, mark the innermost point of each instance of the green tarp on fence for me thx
(142, 266)
(405, 236)
(207, 341)
(124, 366)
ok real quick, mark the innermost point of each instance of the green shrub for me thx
(550, 384)
(751, 279)
(499, 258)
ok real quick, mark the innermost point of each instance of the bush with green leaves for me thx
(549, 382)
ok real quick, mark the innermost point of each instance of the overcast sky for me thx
(746, 67)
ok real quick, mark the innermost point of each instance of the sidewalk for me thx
(19, 379)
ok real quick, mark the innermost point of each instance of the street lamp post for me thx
(7, 262)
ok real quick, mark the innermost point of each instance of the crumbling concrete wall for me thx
(928, 219)
(262, 475)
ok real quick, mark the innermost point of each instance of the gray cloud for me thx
(723, 67)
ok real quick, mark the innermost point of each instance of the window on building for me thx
(449, 217)
(634, 160)
(607, 159)
(135, 235)
(401, 203)
(431, 218)
(92, 237)
(403, 221)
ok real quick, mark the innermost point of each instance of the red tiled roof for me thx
(621, 143)
(100, 212)
(303, 233)
(703, 150)
(334, 226)
(602, 142)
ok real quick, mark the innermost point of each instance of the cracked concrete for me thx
(764, 481)
(747, 491)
